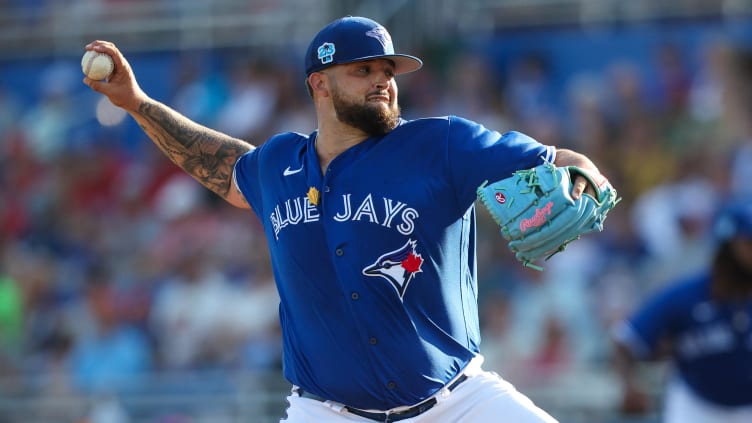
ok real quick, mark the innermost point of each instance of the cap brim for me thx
(403, 63)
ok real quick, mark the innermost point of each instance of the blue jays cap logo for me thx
(398, 266)
(381, 34)
(326, 53)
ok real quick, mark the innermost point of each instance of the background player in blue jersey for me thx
(704, 324)
(370, 223)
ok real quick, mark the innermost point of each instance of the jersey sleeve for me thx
(246, 178)
(651, 322)
(477, 154)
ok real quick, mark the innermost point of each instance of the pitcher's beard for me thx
(371, 120)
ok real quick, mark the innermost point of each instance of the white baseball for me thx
(97, 66)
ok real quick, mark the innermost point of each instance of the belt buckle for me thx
(394, 416)
(391, 416)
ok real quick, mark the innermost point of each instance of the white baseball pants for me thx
(483, 398)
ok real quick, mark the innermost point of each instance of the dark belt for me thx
(396, 416)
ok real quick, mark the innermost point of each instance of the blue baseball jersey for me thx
(711, 341)
(374, 259)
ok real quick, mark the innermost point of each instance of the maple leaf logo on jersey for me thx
(398, 266)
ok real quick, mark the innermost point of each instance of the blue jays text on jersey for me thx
(374, 258)
(712, 340)
(302, 210)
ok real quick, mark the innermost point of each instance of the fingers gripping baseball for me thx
(120, 86)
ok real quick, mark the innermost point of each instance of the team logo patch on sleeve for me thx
(398, 266)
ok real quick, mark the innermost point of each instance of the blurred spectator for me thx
(252, 316)
(293, 110)
(672, 81)
(531, 98)
(188, 314)
(528, 344)
(501, 352)
(11, 317)
(49, 122)
(529, 88)
(46, 337)
(109, 354)
(10, 110)
(707, 95)
(475, 92)
(672, 221)
(247, 112)
(201, 91)
(589, 128)
(741, 170)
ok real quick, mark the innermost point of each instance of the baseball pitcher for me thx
(370, 223)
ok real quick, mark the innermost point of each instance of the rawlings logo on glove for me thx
(538, 219)
(536, 211)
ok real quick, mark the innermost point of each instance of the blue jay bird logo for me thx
(398, 266)
(382, 35)
(326, 53)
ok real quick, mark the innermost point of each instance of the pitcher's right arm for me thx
(207, 155)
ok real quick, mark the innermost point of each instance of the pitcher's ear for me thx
(318, 83)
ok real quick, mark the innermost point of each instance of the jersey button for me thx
(373, 341)
(391, 385)
(339, 252)
(326, 188)
(355, 296)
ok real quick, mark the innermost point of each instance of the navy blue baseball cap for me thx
(735, 220)
(353, 39)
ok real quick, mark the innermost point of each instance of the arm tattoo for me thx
(205, 154)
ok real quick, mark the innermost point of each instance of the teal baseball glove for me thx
(537, 214)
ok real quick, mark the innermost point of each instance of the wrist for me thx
(136, 104)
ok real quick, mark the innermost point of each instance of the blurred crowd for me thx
(115, 266)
